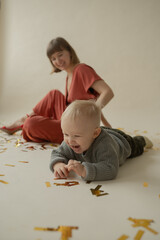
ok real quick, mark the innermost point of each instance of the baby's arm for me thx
(60, 170)
(77, 167)
(59, 160)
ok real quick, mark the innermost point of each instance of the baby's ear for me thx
(97, 131)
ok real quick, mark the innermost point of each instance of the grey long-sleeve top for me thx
(103, 158)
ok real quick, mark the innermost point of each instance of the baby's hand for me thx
(60, 170)
(77, 167)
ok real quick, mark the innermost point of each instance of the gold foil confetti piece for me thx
(69, 184)
(159, 195)
(43, 147)
(3, 150)
(23, 161)
(31, 148)
(139, 235)
(122, 129)
(10, 165)
(143, 223)
(1, 175)
(88, 182)
(48, 184)
(145, 131)
(3, 182)
(145, 184)
(59, 178)
(44, 229)
(98, 192)
(123, 237)
(155, 148)
(66, 231)
(18, 143)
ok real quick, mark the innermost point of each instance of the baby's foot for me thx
(148, 142)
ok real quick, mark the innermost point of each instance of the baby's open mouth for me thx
(75, 146)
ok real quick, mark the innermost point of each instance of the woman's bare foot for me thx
(16, 126)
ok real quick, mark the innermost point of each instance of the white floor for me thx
(26, 202)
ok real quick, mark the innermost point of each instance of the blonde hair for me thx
(83, 108)
(57, 45)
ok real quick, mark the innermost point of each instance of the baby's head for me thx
(80, 123)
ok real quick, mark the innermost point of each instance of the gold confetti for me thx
(122, 129)
(88, 182)
(31, 148)
(23, 161)
(43, 147)
(18, 143)
(1, 175)
(9, 165)
(98, 192)
(59, 178)
(48, 184)
(69, 184)
(66, 231)
(155, 148)
(3, 150)
(145, 131)
(143, 223)
(145, 184)
(123, 237)
(139, 235)
(3, 182)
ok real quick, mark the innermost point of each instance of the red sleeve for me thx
(88, 76)
(83, 78)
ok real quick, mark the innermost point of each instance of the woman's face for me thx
(61, 60)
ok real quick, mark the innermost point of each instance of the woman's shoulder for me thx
(82, 66)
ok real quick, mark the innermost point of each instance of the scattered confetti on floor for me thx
(142, 223)
(123, 237)
(145, 184)
(98, 192)
(48, 184)
(67, 183)
(66, 231)
(23, 161)
(3, 182)
(139, 235)
(9, 165)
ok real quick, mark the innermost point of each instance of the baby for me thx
(92, 152)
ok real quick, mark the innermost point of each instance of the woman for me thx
(82, 82)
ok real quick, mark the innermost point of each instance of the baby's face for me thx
(78, 134)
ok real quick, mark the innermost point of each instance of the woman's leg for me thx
(45, 125)
(52, 105)
(42, 129)
(16, 126)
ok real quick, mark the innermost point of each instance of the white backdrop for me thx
(120, 39)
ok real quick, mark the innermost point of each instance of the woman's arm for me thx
(104, 91)
(105, 95)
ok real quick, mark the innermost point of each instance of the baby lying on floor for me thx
(92, 152)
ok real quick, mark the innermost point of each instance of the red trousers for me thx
(45, 125)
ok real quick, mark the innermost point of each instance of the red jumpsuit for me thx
(45, 125)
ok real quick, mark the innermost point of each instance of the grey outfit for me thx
(103, 158)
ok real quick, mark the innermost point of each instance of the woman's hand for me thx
(77, 167)
(60, 170)
(104, 121)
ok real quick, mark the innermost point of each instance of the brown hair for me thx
(59, 44)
